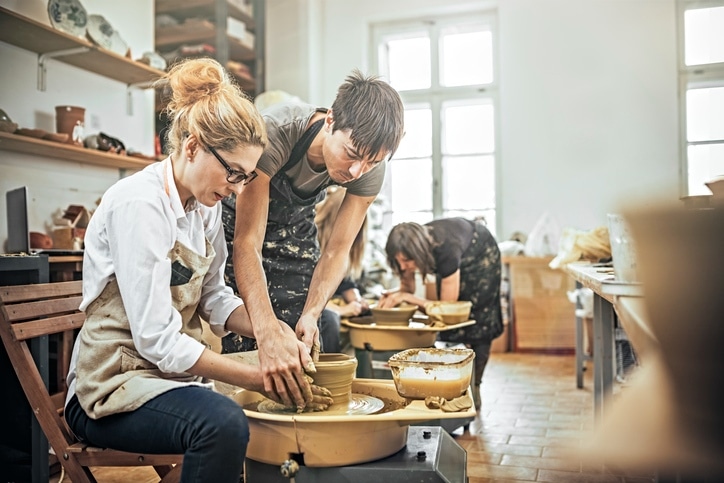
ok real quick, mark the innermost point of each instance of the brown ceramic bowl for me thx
(449, 312)
(56, 137)
(33, 133)
(399, 315)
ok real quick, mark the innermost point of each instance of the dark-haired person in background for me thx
(465, 260)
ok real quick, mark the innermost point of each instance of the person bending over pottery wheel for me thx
(270, 225)
(140, 373)
(465, 260)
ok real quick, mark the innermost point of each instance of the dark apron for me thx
(290, 250)
(480, 276)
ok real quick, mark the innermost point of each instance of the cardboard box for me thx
(71, 237)
(543, 316)
(68, 238)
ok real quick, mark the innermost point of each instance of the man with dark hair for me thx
(270, 227)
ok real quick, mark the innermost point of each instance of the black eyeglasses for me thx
(233, 176)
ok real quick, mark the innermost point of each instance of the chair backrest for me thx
(36, 310)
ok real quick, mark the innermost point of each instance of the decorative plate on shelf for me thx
(104, 35)
(68, 16)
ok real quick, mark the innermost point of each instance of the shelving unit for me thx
(69, 152)
(205, 22)
(48, 42)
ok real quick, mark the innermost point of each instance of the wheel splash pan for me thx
(337, 439)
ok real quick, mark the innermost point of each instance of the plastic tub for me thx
(420, 373)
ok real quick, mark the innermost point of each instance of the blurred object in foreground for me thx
(670, 419)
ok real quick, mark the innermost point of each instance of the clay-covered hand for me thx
(307, 332)
(283, 359)
(321, 398)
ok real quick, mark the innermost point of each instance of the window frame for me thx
(692, 77)
(437, 95)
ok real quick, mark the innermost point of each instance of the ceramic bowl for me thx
(399, 315)
(449, 312)
(57, 137)
(33, 133)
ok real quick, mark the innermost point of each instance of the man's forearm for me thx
(251, 282)
(326, 278)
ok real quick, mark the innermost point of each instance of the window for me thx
(701, 73)
(445, 72)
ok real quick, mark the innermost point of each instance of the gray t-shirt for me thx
(286, 123)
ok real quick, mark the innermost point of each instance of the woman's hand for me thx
(321, 397)
(392, 299)
(351, 309)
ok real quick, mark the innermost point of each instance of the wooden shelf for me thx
(200, 31)
(201, 8)
(28, 34)
(68, 152)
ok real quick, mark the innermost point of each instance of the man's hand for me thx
(283, 359)
(308, 332)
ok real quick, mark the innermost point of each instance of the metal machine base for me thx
(431, 455)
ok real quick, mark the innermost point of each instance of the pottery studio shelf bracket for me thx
(50, 43)
(129, 93)
(42, 69)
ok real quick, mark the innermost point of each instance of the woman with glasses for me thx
(141, 375)
(464, 258)
(270, 226)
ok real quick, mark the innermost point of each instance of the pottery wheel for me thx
(358, 404)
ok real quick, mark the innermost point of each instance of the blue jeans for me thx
(329, 324)
(208, 428)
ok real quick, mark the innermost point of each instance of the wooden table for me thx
(605, 290)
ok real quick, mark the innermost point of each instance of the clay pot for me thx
(71, 121)
(336, 372)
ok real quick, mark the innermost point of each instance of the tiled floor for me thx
(532, 418)
(532, 414)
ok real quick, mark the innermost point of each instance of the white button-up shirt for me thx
(128, 239)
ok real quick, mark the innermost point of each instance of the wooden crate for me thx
(543, 316)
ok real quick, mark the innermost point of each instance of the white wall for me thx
(588, 94)
(55, 184)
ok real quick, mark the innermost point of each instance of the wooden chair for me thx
(30, 311)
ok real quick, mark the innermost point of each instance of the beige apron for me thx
(112, 377)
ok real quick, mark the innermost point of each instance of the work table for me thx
(606, 291)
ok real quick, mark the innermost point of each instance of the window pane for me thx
(704, 36)
(468, 128)
(409, 62)
(411, 185)
(486, 217)
(469, 182)
(420, 217)
(417, 141)
(705, 114)
(705, 163)
(458, 66)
